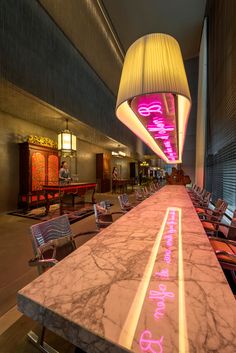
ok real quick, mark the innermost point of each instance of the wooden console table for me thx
(75, 189)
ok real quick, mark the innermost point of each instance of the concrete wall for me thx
(191, 67)
(13, 131)
(122, 165)
(37, 57)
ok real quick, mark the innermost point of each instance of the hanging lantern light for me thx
(67, 142)
(154, 99)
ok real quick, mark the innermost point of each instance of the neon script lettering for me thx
(149, 345)
(164, 273)
(148, 109)
(160, 126)
(160, 296)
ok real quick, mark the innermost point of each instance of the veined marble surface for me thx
(150, 283)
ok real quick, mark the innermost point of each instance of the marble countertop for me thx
(150, 283)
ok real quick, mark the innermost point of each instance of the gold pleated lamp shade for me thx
(154, 99)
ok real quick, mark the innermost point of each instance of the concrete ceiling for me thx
(18, 103)
(85, 23)
(183, 19)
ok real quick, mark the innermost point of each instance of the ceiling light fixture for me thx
(154, 99)
(67, 142)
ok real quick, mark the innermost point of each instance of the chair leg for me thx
(38, 341)
(78, 350)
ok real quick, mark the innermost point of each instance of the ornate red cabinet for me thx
(39, 165)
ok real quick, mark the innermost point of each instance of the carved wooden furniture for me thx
(103, 172)
(38, 166)
(120, 184)
(74, 189)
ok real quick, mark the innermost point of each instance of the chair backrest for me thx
(223, 207)
(232, 230)
(52, 229)
(155, 185)
(99, 209)
(207, 197)
(152, 188)
(52, 239)
(219, 211)
(203, 193)
(138, 195)
(218, 203)
(145, 191)
(233, 220)
(120, 201)
(124, 201)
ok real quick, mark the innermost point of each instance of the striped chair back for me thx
(99, 210)
(232, 229)
(124, 202)
(50, 230)
(53, 238)
(139, 195)
(223, 207)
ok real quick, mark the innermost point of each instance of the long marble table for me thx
(149, 283)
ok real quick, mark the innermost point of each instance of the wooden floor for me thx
(15, 251)
(14, 340)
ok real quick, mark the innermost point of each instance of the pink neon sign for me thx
(153, 342)
(150, 345)
(157, 113)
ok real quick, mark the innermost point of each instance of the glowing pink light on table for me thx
(148, 344)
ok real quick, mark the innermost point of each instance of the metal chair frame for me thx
(47, 238)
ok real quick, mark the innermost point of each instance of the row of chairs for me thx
(143, 192)
(53, 240)
(103, 216)
(222, 236)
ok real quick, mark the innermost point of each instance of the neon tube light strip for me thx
(183, 332)
(130, 325)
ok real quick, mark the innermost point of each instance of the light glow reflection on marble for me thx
(130, 325)
(149, 341)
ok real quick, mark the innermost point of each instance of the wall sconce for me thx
(122, 154)
(144, 164)
(154, 99)
(114, 153)
(67, 142)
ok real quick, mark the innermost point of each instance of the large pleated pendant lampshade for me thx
(154, 99)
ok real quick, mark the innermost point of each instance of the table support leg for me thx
(93, 198)
(38, 342)
(78, 350)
